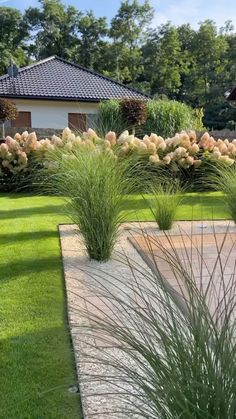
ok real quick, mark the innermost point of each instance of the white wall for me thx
(53, 114)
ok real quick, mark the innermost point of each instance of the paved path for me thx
(85, 290)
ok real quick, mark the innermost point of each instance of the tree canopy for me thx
(196, 66)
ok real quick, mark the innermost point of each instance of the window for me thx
(92, 120)
(22, 121)
(77, 121)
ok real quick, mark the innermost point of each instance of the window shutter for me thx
(77, 121)
(22, 121)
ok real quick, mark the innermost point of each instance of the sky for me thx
(177, 11)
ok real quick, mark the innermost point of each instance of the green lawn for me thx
(36, 360)
(195, 206)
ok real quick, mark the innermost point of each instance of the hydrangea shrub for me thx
(184, 150)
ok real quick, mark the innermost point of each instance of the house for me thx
(54, 93)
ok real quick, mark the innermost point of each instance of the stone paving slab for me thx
(199, 257)
(82, 297)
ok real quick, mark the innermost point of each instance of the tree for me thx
(54, 29)
(196, 66)
(207, 81)
(163, 60)
(91, 32)
(8, 112)
(13, 34)
(66, 32)
(128, 31)
(226, 111)
(186, 35)
(230, 37)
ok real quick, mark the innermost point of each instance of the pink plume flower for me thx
(111, 137)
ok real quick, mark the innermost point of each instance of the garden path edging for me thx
(86, 344)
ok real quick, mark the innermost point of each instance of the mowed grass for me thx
(194, 206)
(36, 359)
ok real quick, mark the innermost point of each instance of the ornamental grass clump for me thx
(109, 118)
(225, 180)
(166, 117)
(95, 183)
(173, 353)
(166, 198)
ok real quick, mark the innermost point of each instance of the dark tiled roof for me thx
(58, 79)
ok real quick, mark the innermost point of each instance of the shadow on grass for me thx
(24, 194)
(136, 202)
(27, 267)
(27, 235)
(207, 201)
(31, 211)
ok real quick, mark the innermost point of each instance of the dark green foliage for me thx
(127, 33)
(91, 41)
(14, 33)
(231, 125)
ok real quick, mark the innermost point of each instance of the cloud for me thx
(192, 11)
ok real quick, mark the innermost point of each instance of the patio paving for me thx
(86, 298)
(199, 258)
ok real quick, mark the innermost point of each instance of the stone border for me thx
(87, 345)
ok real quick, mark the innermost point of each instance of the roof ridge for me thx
(88, 70)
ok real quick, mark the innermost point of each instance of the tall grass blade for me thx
(94, 183)
(173, 359)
